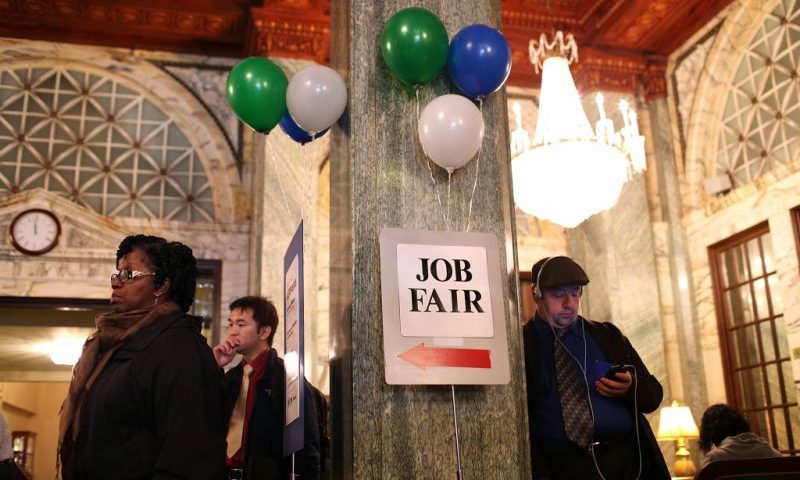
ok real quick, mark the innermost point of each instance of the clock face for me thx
(35, 231)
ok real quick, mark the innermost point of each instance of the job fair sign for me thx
(443, 316)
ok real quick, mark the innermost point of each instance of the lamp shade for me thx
(676, 422)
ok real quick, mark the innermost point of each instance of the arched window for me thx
(98, 142)
(752, 332)
(760, 124)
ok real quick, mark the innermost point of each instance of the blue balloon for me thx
(479, 60)
(296, 132)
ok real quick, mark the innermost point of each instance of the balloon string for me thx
(307, 204)
(435, 189)
(416, 92)
(449, 183)
(280, 183)
(307, 191)
(477, 170)
(415, 127)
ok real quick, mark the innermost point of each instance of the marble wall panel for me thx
(82, 262)
(207, 82)
(707, 228)
(672, 350)
(685, 77)
(679, 321)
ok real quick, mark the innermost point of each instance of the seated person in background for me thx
(726, 435)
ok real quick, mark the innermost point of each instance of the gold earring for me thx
(156, 302)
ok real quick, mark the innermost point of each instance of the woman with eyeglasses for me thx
(144, 400)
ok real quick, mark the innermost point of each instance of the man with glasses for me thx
(587, 387)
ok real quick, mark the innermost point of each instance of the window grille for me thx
(760, 125)
(752, 331)
(99, 143)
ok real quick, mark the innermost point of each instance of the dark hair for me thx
(719, 422)
(172, 260)
(264, 312)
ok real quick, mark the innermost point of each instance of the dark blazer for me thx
(265, 460)
(617, 349)
(155, 410)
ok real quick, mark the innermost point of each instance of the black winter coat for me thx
(618, 350)
(155, 411)
(265, 460)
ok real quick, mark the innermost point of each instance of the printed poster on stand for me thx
(293, 311)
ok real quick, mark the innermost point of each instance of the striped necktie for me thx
(578, 423)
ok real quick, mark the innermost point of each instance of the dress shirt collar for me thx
(258, 363)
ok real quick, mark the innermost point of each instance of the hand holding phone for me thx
(611, 373)
(615, 387)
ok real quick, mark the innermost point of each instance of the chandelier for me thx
(570, 172)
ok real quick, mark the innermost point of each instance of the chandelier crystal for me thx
(569, 172)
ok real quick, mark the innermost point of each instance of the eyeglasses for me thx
(127, 274)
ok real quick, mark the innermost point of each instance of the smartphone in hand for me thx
(611, 373)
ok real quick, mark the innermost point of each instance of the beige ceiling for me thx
(25, 330)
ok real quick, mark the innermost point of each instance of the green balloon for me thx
(256, 91)
(414, 45)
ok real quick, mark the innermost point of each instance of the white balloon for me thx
(316, 98)
(451, 131)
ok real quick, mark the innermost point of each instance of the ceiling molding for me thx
(289, 32)
(617, 38)
(211, 29)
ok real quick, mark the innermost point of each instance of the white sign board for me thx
(292, 347)
(293, 313)
(443, 313)
(443, 291)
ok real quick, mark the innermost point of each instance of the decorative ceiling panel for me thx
(614, 31)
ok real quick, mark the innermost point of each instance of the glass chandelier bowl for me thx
(587, 179)
(571, 172)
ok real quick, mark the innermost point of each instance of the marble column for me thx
(687, 380)
(379, 179)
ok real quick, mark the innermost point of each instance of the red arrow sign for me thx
(422, 357)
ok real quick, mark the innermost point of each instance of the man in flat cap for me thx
(587, 388)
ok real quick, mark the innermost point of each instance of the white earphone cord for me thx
(539, 294)
(589, 397)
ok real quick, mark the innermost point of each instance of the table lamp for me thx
(676, 423)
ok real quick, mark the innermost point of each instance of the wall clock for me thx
(35, 231)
